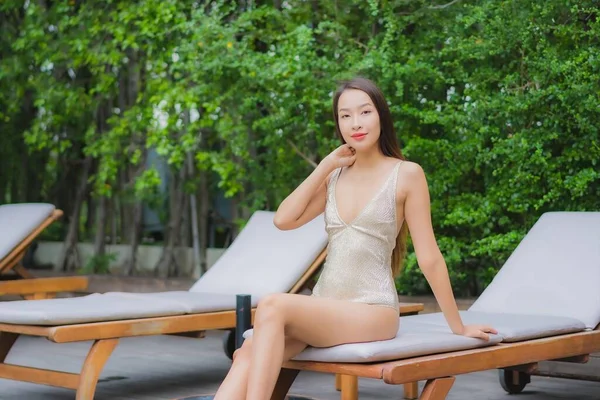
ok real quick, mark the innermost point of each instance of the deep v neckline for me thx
(366, 206)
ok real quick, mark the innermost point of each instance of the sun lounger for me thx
(20, 225)
(262, 260)
(545, 303)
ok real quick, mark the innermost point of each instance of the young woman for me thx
(370, 197)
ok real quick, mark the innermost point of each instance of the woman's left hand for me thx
(478, 331)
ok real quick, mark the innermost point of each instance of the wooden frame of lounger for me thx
(26, 284)
(106, 335)
(439, 370)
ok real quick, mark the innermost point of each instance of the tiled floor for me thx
(169, 367)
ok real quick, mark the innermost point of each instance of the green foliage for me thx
(99, 264)
(497, 100)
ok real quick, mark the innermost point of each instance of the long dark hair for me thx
(388, 144)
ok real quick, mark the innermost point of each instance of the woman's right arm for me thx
(307, 201)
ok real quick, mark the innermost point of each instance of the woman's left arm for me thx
(417, 214)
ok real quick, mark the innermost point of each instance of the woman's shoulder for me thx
(410, 169)
(410, 175)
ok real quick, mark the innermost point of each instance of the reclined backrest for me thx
(263, 259)
(555, 270)
(17, 221)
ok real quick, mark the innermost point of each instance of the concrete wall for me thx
(48, 253)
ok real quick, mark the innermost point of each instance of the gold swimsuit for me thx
(359, 253)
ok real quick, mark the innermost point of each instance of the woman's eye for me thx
(367, 112)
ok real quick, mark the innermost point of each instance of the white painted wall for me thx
(148, 256)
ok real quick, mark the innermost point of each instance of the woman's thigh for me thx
(323, 322)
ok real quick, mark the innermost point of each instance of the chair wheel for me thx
(513, 382)
(229, 343)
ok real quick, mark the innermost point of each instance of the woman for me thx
(370, 196)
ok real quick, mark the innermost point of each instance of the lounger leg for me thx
(411, 391)
(349, 387)
(284, 382)
(7, 340)
(338, 382)
(21, 271)
(94, 362)
(437, 389)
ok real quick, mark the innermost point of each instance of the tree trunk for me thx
(91, 215)
(167, 264)
(15, 195)
(114, 220)
(184, 235)
(104, 110)
(185, 226)
(129, 86)
(100, 237)
(136, 227)
(131, 265)
(203, 222)
(69, 257)
(32, 162)
(125, 213)
(35, 173)
(196, 246)
(235, 215)
(63, 188)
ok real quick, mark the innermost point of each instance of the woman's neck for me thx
(368, 160)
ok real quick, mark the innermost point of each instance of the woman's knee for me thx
(271, 308)
(243, 354)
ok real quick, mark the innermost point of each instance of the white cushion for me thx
(263, 259)
(413, 339)
(511, 327)
(92, 308)
(112, 306)
(555, 271)
(17, 221)
(427, 334)
(191, 302)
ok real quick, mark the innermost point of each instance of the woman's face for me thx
(358, 119)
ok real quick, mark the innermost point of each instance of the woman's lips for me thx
(359, 136)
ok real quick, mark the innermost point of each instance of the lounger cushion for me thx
(17, 221)
(413, 339)
(263, 259)
(189, 302)
(427, 334)
(91, 308)
(511, 327)
(555, 271)
(112, 306)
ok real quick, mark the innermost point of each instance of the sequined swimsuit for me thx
(358, 264)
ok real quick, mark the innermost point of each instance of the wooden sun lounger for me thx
(26, 284)
(439, 370)
(106, 336)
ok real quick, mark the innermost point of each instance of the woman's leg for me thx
(235, 385)
(318, 322)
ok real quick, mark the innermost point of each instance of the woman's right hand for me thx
(343, 156)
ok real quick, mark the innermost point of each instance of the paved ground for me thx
(168, 367)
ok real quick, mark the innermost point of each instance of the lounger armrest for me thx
(44, 285)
